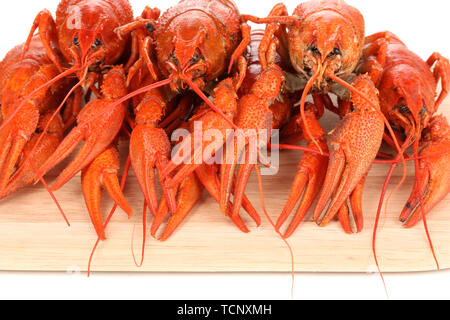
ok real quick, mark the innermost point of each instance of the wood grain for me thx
(33, 236)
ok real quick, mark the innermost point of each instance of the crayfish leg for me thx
(48, 34)
(441, 71)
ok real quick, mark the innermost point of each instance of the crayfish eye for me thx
(150, 27)
(175, 60)
(335, 52)
(97, 43)
(195, 59)
(315, 50)
(76, 42)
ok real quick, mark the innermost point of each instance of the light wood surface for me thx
(33, 236)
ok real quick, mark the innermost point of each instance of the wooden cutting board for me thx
(33, 236)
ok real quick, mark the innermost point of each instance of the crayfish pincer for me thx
(98, 126)
(18, 79)
(434, 177)
(355, 145)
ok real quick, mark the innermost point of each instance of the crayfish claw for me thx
(312, 184)
(334, 175)
(344, 218)
(225, 98)
(98, 125)
(245, 171)
(189, 194)
(13, 138)
(208, 175)
(103, 172)
(310, 174)
(43, 145)
(412, 212)
(433, 179)
(356, 142)
(226, 183)
(356, 199)
(15, 146)
(344, 213)
(150, 150)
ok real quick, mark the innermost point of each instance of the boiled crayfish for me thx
(323, 63)
(199, 62)
(408, 99)
(326, 47)
(195, 43)
(24, 132)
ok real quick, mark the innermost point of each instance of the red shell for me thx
(210, 26)
(89, 20)
(18, 78)
(327, 25)
(406, 76)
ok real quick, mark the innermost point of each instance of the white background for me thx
(423, 25)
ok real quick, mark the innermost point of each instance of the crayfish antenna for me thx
(305, 93)
(144, 238)
(244, 173)
(377, 221)
(50, 192)
(376, 108)
(263, 204)
(380, 205)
